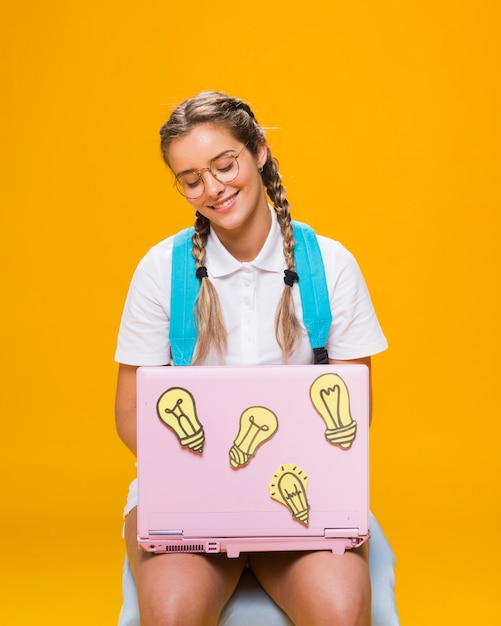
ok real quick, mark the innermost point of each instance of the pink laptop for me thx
(242, 459)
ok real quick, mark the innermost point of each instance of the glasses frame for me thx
(179, 187)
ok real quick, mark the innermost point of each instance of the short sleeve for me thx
(355, 330)
(143, 337)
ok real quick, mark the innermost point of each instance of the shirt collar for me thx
(270, 258)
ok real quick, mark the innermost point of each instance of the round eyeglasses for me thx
(223, 168)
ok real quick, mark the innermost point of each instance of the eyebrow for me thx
(194, 169)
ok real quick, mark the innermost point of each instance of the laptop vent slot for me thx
(186, 547)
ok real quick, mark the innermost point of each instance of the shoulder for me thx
(332, 251)
(335, 255)
(158, 256)
(153, 272)
(332, 246)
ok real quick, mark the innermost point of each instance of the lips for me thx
(225, 203)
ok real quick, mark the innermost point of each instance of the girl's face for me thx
(233, 208)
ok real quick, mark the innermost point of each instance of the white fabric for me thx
(131, 498)
(249, 295)
(251, 605)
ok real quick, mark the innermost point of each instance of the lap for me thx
(193, 587)
(317, 587)
(312, 588)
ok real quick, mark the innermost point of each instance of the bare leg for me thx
(180, 589)
(318, 588)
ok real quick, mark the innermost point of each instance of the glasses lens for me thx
(225, 168)
(190, 185)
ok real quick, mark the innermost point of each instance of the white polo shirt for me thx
(249, 294)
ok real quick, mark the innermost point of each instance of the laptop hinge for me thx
(166, 533)
(332, 533)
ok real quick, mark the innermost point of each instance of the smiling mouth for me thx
(227, 202)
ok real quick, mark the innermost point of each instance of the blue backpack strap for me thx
(184, 291)
(185, 285)
(317, 315)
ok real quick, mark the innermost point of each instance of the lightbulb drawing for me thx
(288, 486)
(177, 409)
(331, 399)
(257, 425)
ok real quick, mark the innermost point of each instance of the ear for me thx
(262, 154)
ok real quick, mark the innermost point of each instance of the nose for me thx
(213, 186)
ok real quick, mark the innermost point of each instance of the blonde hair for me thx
(213, 107)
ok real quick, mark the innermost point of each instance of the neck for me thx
(245, 242)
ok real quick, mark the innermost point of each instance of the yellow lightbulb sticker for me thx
(331, 399)
(257, 425)
(177, 409)
(288, 486)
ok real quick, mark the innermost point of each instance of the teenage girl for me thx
(249, 313)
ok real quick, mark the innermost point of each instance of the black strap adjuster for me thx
(320, 356)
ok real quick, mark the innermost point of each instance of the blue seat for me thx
(251, 605)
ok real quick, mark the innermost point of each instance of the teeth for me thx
(223, 204)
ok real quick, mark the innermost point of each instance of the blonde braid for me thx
(287, 327)
(212, 336)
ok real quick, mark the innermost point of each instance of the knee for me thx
(172, 610)
(351, 607)
(353, 612)
(341, 610)
(158, 610)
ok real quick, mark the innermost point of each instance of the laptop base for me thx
(235, 546)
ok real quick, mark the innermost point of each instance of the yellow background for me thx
(386, 119)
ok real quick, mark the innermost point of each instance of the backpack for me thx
(312, 283)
